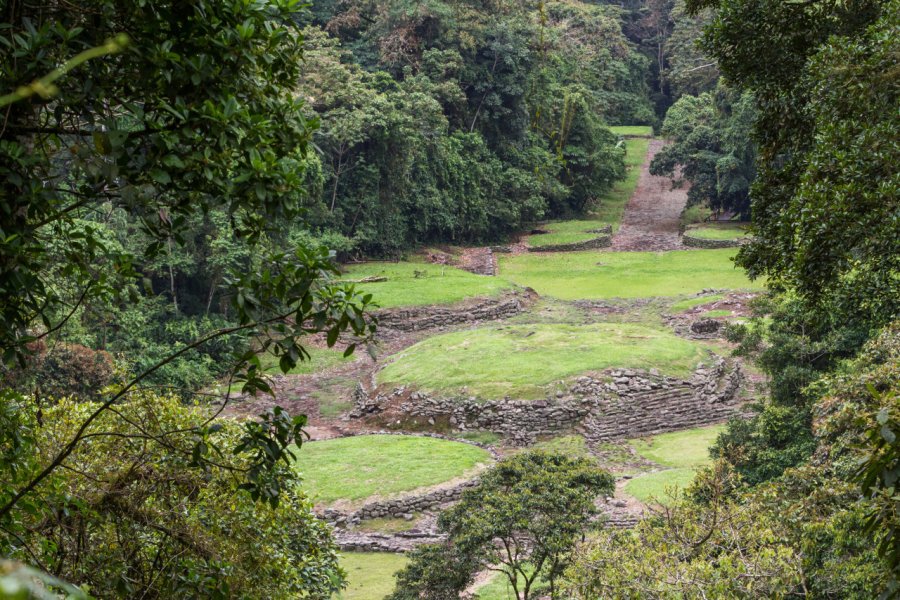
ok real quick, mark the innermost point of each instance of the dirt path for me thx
(651, 216)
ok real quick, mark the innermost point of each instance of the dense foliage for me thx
(826, 199)
(459, 121)
(802, 501)
(183, 153)
(711, 146)
(130, 515)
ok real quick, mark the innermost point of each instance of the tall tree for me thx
(522, 520)
(192, 119)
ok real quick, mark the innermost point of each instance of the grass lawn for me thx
(611, 205)
(688, 448)
(632, 130)
(499, 588)
(386, 525)
(488, 438)
(654, 487)
(684, 451)
(522, 361)
(439, 285)
(716, 313)
(596, 275)
(718, 231)
(690, 303)
(354, 468)
(370, 575)
(319, 360)
(333, 395)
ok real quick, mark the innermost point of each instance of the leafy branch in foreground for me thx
(286, 299)
(45, 86)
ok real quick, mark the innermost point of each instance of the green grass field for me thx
(370, 575)
(499, 588)
(683, 451)
(611, 205)
(656, 487)
(319, 360)
(523, 360)
(632, 130)
(718, 231)
(690, 303)
(597, 275)
(355, 468)
(439, 285)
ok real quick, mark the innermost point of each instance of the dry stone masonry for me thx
(431, 317)
(604, 240)
(697, 242)
(399, 508)
(620, 404)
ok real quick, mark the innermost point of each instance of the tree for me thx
(711, 143)
(131, 516)
(435, 572)
(522, 520)
(192, 120)
(690, 70)
(826, 192)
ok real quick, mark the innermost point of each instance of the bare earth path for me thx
(651, 216)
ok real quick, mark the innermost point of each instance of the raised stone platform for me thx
(420, 318)
(603, 240)
(698, 242)
(619, 404)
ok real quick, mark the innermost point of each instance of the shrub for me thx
(63, 370)
(154, 524)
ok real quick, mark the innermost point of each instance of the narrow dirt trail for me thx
(651, 216)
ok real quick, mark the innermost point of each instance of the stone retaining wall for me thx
(357, 541)
(696, 242)
(711, 396)
(429, 317)
(399, 508)
(601, 241)
(622, 404)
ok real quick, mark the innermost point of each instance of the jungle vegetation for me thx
(178, 179)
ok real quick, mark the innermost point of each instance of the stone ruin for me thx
(619, 404)
(418, 318)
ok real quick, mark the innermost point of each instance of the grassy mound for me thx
(597, 275)
(684, 451)
(523, 360)
(718, 231)
(370, 575)
(355, 468)
(421, 283)
(611, 205)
